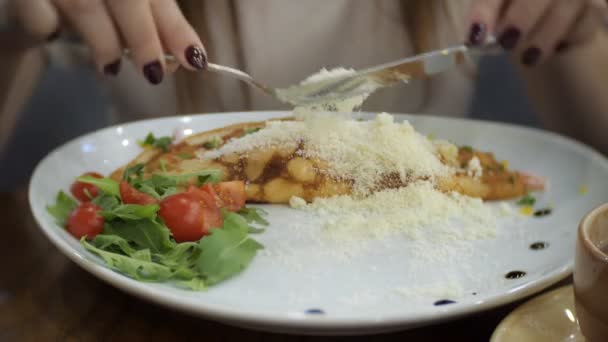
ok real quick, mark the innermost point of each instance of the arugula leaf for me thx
(64, 205)
(212, 144)
(195, 284)
(131, 212)
(527, 200)
(203, 176)
(162, 143)
(254, 215)
(179, 256)
(143, 233)
(143, 255)
(106, 185)
(106, 202)
(113, 243)
(163, 165)
(137, 170)
(227, 251)
(177, 260)
(137, 269)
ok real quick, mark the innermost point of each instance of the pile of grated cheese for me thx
(407, 211)
(363, 152)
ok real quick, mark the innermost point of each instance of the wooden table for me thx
(46, 297)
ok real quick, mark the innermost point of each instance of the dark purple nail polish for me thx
(154, 72)
(53, 36)
(113, 68)
(196, 57)
(508, 39)
(531, 56)
(561, 47)
(477, 35)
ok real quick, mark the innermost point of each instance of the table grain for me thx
(46, 297)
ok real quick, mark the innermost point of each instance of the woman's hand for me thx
(536, 30)
(148, 28)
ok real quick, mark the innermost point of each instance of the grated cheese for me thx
(404, 211)
(364, 152)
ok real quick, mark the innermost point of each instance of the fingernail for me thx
(508, 39)
(196, 57)
(154, 72)
(561, 47)
(113, 68)
(53, 36)
(477, 34)
(531, 56)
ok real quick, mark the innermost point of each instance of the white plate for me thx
(296, 286)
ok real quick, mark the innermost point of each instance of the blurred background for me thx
(65, 95)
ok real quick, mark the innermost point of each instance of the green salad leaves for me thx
(136, 242)
(64, 205)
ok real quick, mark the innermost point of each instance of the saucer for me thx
(549, 317)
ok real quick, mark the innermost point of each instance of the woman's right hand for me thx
(148, 28)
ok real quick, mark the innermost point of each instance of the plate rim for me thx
(284, 323)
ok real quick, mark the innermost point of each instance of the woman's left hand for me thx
(536, 30)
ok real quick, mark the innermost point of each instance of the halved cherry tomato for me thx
(232, 194)
(190, 215)
(80, 189)
(130, 195)
(85, 221)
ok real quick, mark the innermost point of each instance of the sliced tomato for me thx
(85, 221)
(130, 195)
(190, 215)
(82, 190)
(232, 194)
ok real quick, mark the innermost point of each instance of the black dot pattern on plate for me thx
(539, 246)
(315, 312)
(515, 275)
(443, 302)
(543, 212)
(474, 293)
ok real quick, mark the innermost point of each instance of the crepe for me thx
(278, 173)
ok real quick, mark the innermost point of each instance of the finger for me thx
(93, 22)
(39, 18)
(483, 15)
(136, 24)
(178, 36)
(593, 19)
(519, 20)
(551, 31)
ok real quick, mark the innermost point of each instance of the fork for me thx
(366, 81)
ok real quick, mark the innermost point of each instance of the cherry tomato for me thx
(232, 194)
(190, 215)
(130, 195)
(85, 221)
(80, 189)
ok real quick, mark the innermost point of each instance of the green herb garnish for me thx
(467, 149)
(212, 144)
(64, 205)
(527, 200)
(162, 143)
(227, 251)
(106, 185)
